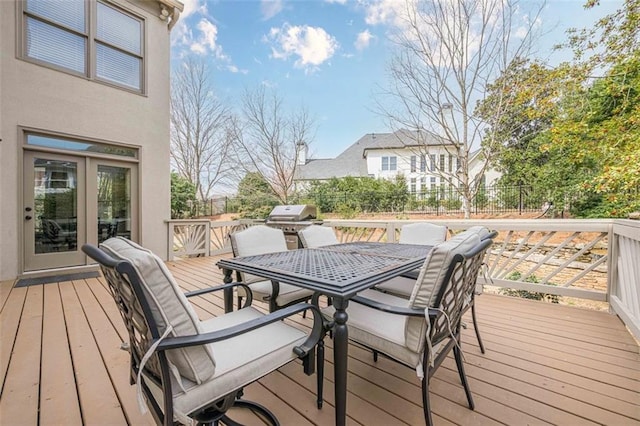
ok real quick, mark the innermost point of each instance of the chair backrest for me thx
(51, 229)
(255, 240)
(150, 301)
(317, 236)
(434, 275)
(452, 298)
(423, 233)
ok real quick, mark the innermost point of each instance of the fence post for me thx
(520, 199)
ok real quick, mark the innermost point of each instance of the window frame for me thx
(90, 36)
(414, 162)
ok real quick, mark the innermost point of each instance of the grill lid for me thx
(293, 213)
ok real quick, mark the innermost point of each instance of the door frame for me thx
(107, 152)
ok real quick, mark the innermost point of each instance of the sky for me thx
(329, 56)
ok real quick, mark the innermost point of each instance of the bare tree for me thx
(268, 139)
(448, 52)
(200, 142)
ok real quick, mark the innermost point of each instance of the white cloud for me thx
(311, 45)
(363, 40)
(270, 8)
(207, 41)
(336, 1)
(386, 12)
(190, 6)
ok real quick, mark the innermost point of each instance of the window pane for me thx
(69, 13)
(118, 29)
(59, 47)
(69, 145)
(117, 66)
(385, 163)
(393, 163)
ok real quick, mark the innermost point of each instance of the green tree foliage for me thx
(183, 194)
(255, 197)
(565, 129)
(351, 195)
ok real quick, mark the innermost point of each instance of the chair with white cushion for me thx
(421, 331)
(187, 370)
(258, 240)
(423, 233)
(317, 236)
(402, 286)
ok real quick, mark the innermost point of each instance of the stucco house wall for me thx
(38, 97)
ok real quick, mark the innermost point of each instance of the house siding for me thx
(38, 97)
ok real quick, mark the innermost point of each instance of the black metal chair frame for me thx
(459, 280)
(127, 291)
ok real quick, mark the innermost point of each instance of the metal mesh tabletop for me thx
(406, 251)
(334, 272)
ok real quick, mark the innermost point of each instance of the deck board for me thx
(61, 363)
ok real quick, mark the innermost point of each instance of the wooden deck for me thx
(61, 363)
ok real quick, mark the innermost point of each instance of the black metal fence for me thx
(438, 201)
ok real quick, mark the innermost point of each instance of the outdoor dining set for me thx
(404, 301)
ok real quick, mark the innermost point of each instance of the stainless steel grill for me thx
(291, 219)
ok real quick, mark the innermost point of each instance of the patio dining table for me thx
(339, 271)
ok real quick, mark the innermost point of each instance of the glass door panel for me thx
(114, 202)
(53, 211)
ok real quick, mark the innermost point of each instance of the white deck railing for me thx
(588, 259)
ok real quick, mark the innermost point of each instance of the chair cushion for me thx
(432, 277)
(398, 286)
(240, 360)
(380, 330)
(262, 290)
(255, 240)
(423, 233)
(317, 236)
(168, 306)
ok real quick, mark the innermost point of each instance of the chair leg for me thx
(426, 406)
(475, 326)
(239, 300)
(463, 378)
(375, 355)
(320, 372)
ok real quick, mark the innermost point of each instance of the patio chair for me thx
(421, 331)
(402, 286)
(423, 233)
(317, 236)
(187, 370)
(262, 239)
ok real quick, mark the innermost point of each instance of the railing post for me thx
(170, 241)
(612, 265)
(391, 232)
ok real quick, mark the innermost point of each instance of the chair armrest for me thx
(397, 310)
(317, 331)
(222, 287)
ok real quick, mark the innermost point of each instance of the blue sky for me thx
(328, 55)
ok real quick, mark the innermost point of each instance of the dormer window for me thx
(91, 39)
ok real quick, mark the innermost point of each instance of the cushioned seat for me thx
(403, 286)
(200, 365)
(421, 330)
(317, 236)
(261, 239)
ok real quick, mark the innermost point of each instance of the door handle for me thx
(27, 217)
(27, 209)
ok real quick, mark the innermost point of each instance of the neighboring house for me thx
(387, 155)
(84, 128)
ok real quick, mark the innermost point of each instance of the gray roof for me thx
(352, 161)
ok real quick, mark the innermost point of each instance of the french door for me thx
(72, 200)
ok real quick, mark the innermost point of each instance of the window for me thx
(413, 185)
(441, 167)
(433, 182)
(432, 163)
(62, 34)
(389, 163)
(423, 163)
(450, 163)
(413, 163)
